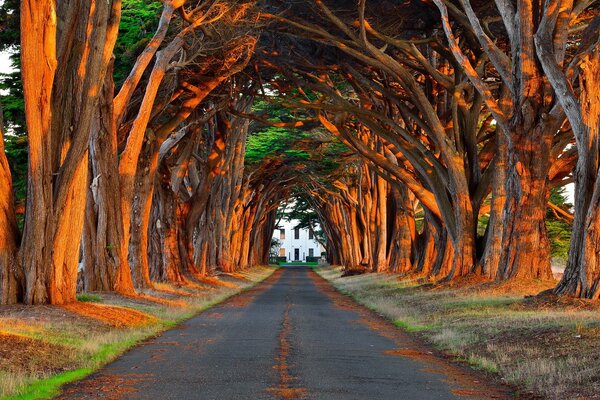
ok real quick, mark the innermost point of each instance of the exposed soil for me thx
(105, 386)
(482, 285)
(549, 301)
(118, 317)
(23, 354)
(33, 316)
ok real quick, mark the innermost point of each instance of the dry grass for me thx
(545, 346)
(41, 345)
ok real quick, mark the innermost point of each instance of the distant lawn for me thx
(545, 345)
(42, 348)
(283, 264)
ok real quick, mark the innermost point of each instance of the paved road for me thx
(291, 337)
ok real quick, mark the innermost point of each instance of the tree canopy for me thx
(154, 141)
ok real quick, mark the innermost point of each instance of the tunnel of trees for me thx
(154, 141)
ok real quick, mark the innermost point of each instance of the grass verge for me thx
(546, 346)
(45, 347)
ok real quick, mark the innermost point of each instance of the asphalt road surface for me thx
(291, 337)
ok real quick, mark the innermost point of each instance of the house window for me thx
(297, 233)
(311, 252)
(282, 234)
(311, 235)
(282, 252)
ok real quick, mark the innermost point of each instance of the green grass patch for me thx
(89, 298)
(411, 327)
(283, 264)
(480, 302)
(482, 363)
(50, 387)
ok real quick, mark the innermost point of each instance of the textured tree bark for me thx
(140, 218)
(463, 240)
(490, 260)
(582, 275)
(104, 251)
(381, 226)
(529, 127)
(403, 232)
(60, 106)
(167, 239)
(128, 163)
(525, 245)
(10, 275)
(38, 24)
(431, 246)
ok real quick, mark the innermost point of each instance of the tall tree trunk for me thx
(60, 104)
(166, 256)
(381, 233)
(140, 218)
(490, 260)
(38, 41)
(582, 275)
(428, 247)
(403, 236)
(104, 251)
(10, 284)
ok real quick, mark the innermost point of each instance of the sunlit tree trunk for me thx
(38, 41)
(63, 70)
(582, 275)
(10, 284)
(381, 226)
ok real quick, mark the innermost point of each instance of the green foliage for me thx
(559, 231)
(272, 142)
(312, 153)
(139, 20)
(301, 210)
(11, 88)
(9, 24)
(11, 97)
(558, 196)
(16, 152)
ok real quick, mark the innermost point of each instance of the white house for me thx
(296, 244)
